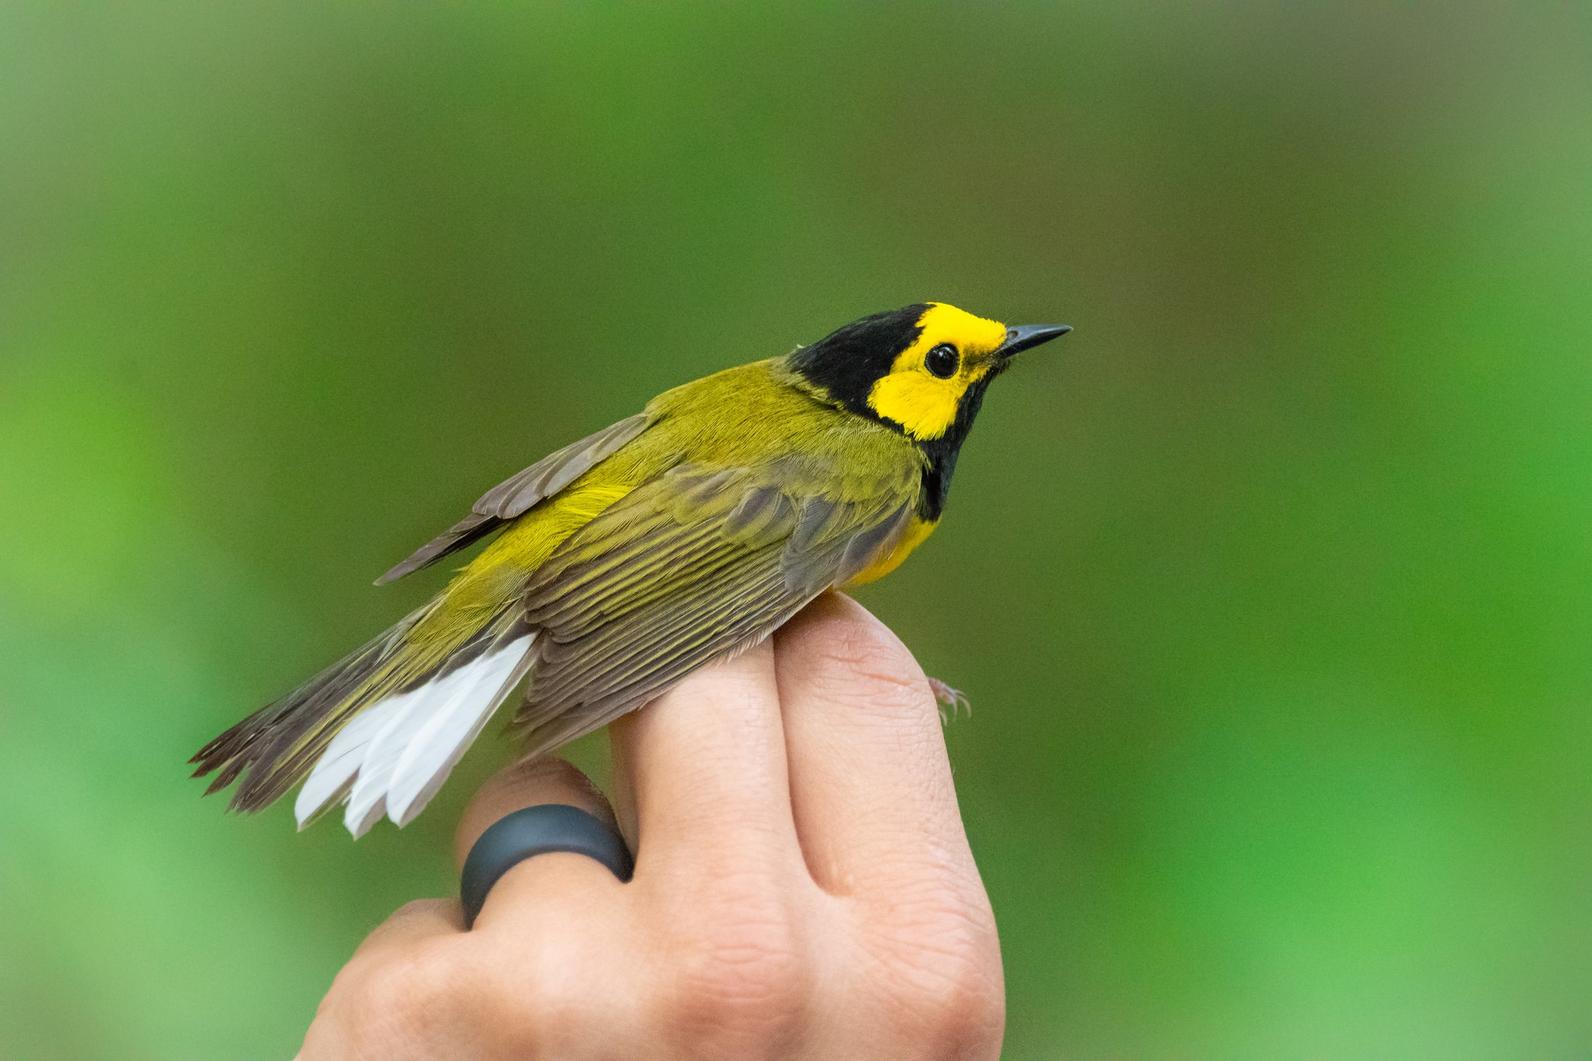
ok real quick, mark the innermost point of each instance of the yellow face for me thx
(926, 382)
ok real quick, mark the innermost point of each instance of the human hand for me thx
(803, 886)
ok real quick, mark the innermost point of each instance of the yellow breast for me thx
(888, 561)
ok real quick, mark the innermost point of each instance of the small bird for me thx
(624, 561)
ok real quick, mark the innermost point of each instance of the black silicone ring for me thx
(535, 831)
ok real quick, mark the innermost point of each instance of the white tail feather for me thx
(335, 770)
(394, 755)
(438, 745)
(367, 800)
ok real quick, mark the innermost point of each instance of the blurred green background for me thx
(1270, 585)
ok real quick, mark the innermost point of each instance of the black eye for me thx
(942, 360)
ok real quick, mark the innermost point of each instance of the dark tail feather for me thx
(274, 747)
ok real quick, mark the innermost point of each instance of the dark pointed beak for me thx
(1027, 336)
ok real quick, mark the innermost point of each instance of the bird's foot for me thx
(952, 701)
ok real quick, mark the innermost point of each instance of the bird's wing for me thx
(694, 565)
(518, 493)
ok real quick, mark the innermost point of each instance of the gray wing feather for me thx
(517, 494)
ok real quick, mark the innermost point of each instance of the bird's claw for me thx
(952, 701)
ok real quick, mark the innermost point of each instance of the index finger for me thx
(870, 780)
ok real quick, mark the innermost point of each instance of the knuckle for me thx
(744, 978)
(968, 1008)
(409, 989)
(381, 1009)
(943, 977)
(533, 993)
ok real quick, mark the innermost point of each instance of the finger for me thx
(871, 787)
(412, 923)
(525, 784)
(542, 882)
(702, 773)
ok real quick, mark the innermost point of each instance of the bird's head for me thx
(921, 369)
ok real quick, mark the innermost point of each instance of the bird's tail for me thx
(381, 728)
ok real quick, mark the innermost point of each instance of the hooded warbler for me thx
(626, 560)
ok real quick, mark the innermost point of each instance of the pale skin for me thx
(803, 886)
